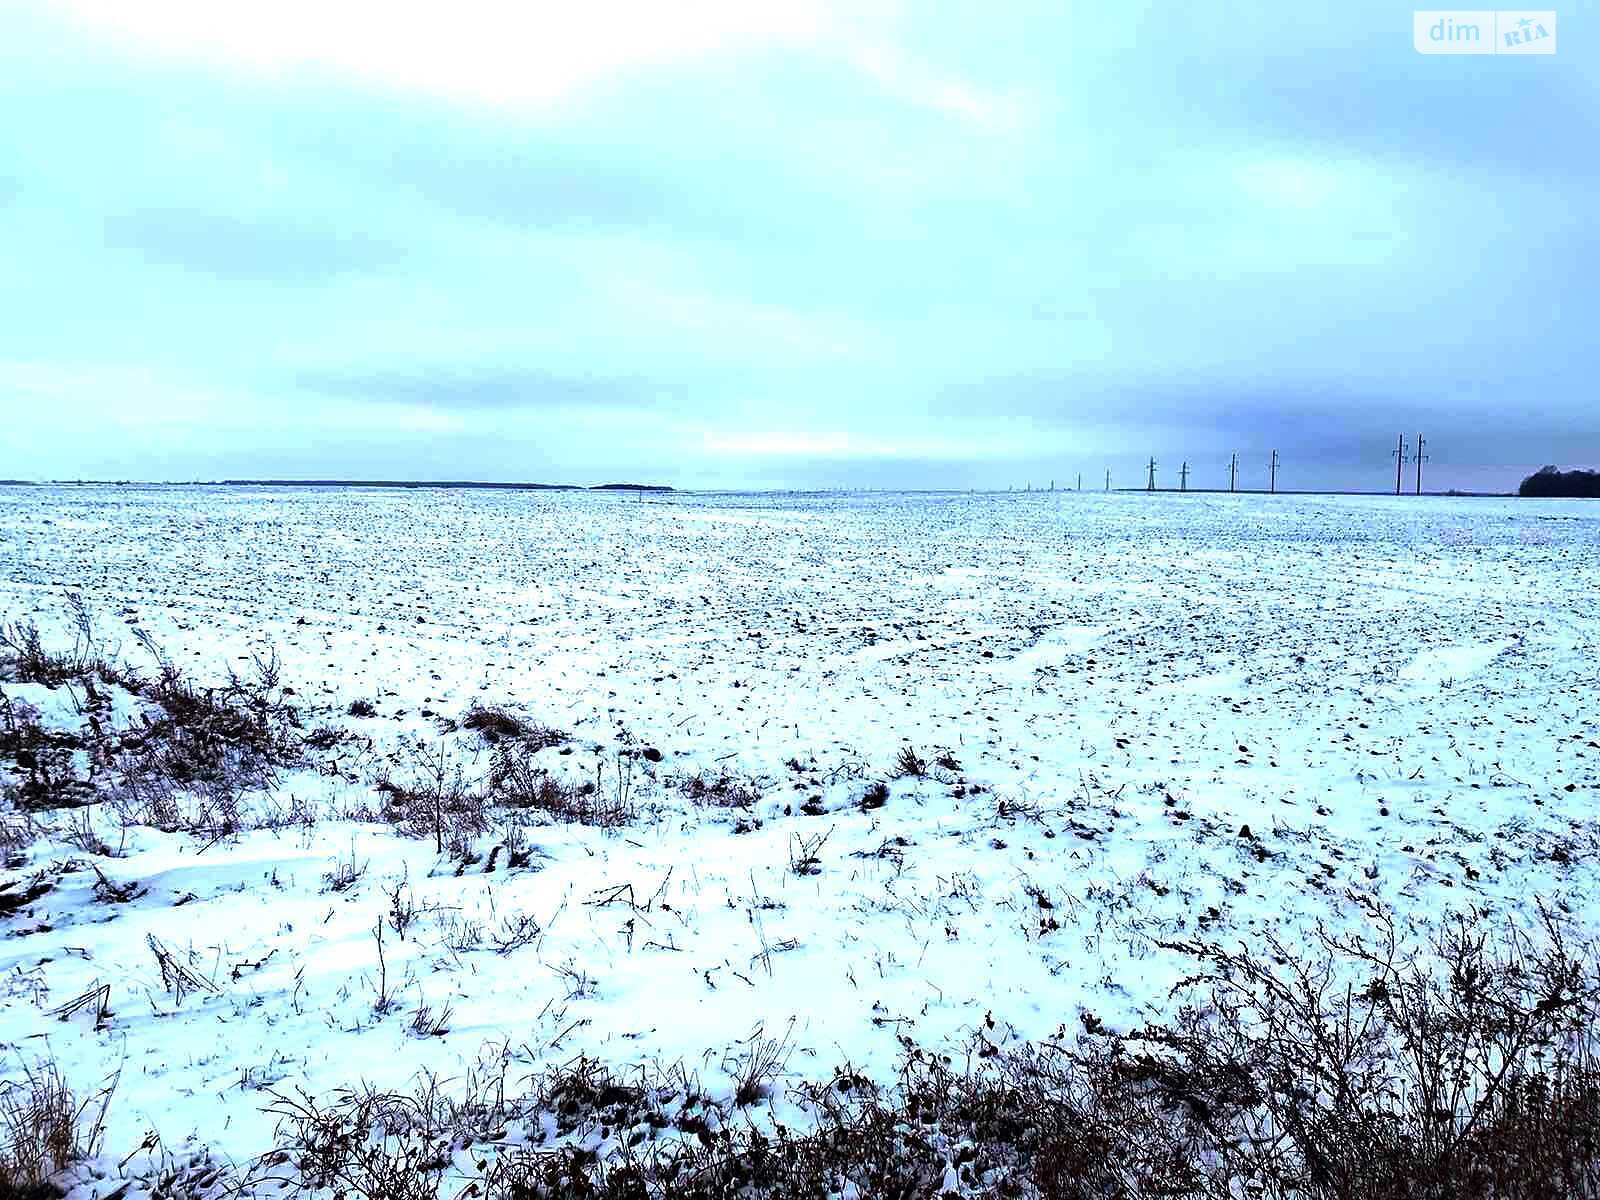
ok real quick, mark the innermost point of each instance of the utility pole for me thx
(1108, 481)
(1272, 477)
(1080, 481)
(1420, 457)
(1151, 486)
(1399, 462)
(1233, 474)
(1183, 476)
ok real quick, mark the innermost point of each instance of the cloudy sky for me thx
(801, 243)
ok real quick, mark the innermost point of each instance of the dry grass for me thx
(718, 789)
(908, 764)
(182, 763)
(1473, 1079)
(42, 760)
(517, 781)
(221, 741)
(25, 658)
(44, 1129)
(496, 724)
(435, 800)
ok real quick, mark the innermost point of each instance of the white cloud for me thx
(479, 51)
(977, 440)
(791, 444)
(911, 81)
(1294, 183)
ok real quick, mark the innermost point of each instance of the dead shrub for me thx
(1379, 1075)
(325, 737)
(435, 800)
(875, 796)
(184, 762)
(517, 781)
(393, 1145)
(1352, 1073)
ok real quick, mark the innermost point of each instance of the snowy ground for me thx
(1171, 715)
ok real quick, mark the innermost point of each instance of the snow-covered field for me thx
(1159, 716)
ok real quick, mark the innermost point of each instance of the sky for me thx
(798, 244)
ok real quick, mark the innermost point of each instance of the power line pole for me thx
(1183, 476)
(1420, 458)
(1399, 462)
(1272, 477)
(1233, 474)
(1151, 486)
(1080, 481)
(1108, 480)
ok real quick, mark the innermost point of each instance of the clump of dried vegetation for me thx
(183, 760)
(44, 1129)
(434, 799)
(27, 659)
(496, 725)
(908, 764)
(1355, 1072)
(190, 755)
(516, 780)
(210, 743)
(718, 789)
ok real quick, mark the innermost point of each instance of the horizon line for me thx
(512, 485)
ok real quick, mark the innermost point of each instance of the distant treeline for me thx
(1548, 481)
(451, 483)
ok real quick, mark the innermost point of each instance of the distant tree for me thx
(1548, 481)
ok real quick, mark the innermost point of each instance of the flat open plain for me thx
(1142, 718)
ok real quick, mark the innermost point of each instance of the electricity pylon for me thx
(1272, 476)
(1151, 486)
(1183, 477)
(1399, 453)
(1233, 474)
(1421, 458)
